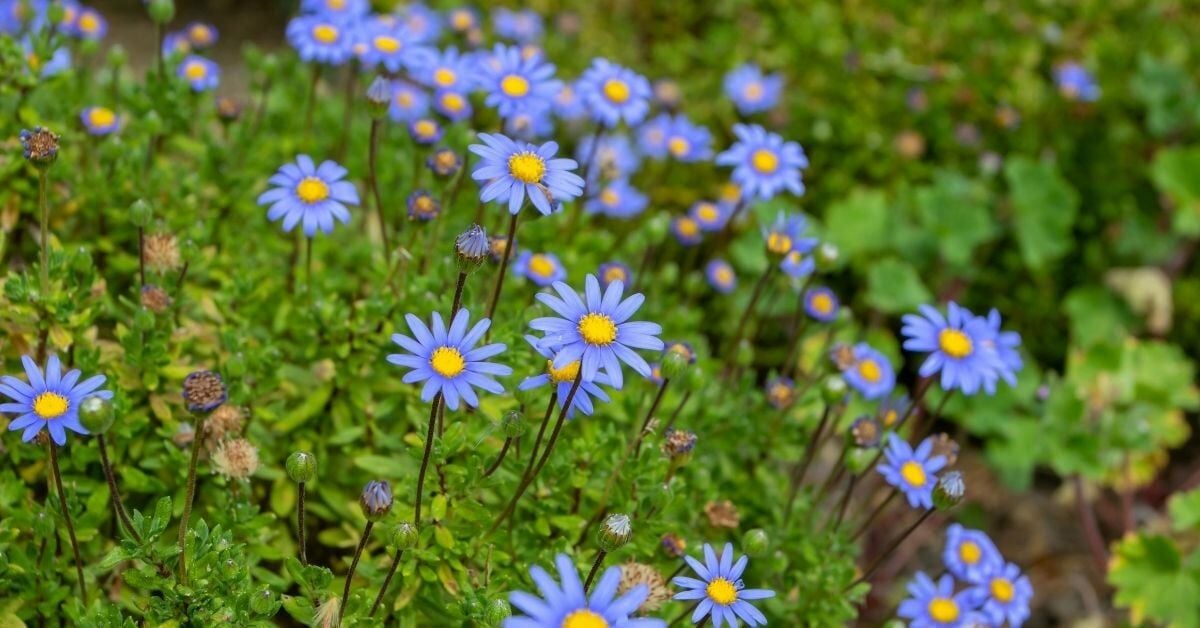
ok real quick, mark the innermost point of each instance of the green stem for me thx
(44, 213)
(113, 493)
(197, 440)
(354, 567)
(66, 513)
(300, 526)
(429, 434)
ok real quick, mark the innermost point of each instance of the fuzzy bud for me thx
(264, 602)
(615, 532)
(161, 11)
(471, 249)
(301, 466)
(755, 542)
(96, 415)
(513, 424)
(141, 213)
(404, 535)
(376, 499)
(674, 365)
(949, 491)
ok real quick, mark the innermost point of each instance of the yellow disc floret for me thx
(943, 610)
(913, 473)
(609, 196)
(312, 190)
(49, 405)
(721, 591)
(541, 265)
(764, 161)
(325, 33)
(444, 77)
(101, 116)
(597, 329)
(1002, 590)
(584, 618)
(387, 44)
(567, 373)
(969, 552)
(447, 361)
(616, 90)
(822, 303)
(869, 370)
(955, 343)
(679, 146)
(514, 85)
(779, 243)
(195, 70)
(527, 167)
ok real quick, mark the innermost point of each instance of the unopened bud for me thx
(755, 542)
(471, 249)
(379, 97)
(949, 491)
(96, 415)
(615, 532)
(833, 389)
(376, 499)
(141, 213)
(161, 11)
(513, 424)
(404, 535)
(674, 365)
(497, 611)
(301, 466)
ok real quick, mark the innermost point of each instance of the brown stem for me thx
(66, 513)
(1091, 529)
(113, 493)
(891, 548)
(372, 177)
(353, 567)
(387, 581)
(512, 232)
(300, 526)
(429, 434)
(587, 585)
(875, 513)
(500, 458)
(197, 439)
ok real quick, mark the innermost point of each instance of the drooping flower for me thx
(752, 91)
(447, 359)
(969, 554)
(955, 344)
(617, 199)
(49, 400)
(614, 93)
(935, 605)
(763, 163)
(912, 472)
(542, 269)
(314, 195)
(201, 74)
(563, 378)
(318, 38)
(720, 590)
(100, 120)
(516, 169)
(515, 84)
(821, 304)
(565, 603)
(596, 330)
(720, 276)
(1004, 595)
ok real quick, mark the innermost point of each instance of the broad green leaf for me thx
(860, 223)
(1176, 172)
(893, 286)
(1045, 206)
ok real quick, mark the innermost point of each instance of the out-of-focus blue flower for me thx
(89, 24)
(448, 70)
(970, 555)
(614, 93)
(720, 591)
(613, 158)
(380, 44)
(720, 276)
(529, 125)
(454, 105)
(687, 142)
(566, 604)
(912, 472)
(462, 19)
(821, 304)
(686, 230)
(752, 91)
(955, 344)
(422, 22)
(320, 39)
(447, 359)
(709, 215)
(796, 264)
(763, 163)
(100, 120)
(1004, 596)
(314, 195)
(562, 379)
(176, 43)
(935, 605)
(515, 84)
(614, 271)
(522, 26)
(49, 400)
(409, 102)
(1004, 344)
(201, 74)
(617, 199)
(497, 245)
(201, 35)
(513, 170)
(652, 136)
(423, 206)
(1076, 83)
(568, 105)
(870, 372)
(425, 131)
(337, 9)
(542, 269)
(894, 408)
(786, 234)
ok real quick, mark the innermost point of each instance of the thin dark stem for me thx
(759, 286)
(347, 109)
(387, 581)
(537, 443)
(512, 232)
(801, 469)
(429, 434)
(1091, 530)
(585, 167)
(197, 439)
(675, 415)
(874, 513)
(300, 526)
(499, 458)
(66, 513)
(142, 256)
(458, 293)
(44, 224)
(641, 435)
(835, 473)
(587, 584)
(113, 493)
(373, 178)
(308, 244)
(353, 567)
(891, 548)
(841, 511)
(685, 614)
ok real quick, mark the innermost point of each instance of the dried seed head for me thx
(203, 391)
(633, 574)
(866, 431)
(40, 145)
(946, 447)
(722, 514)
(161, 252)
(678, 443)
(224, 422)
(155, 299)
(236, 459)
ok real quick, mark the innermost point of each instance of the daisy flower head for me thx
(613, 158)
(496, 247)
(318, 38)
(422, 22)
(1004, 345)
(567, 104)
(337, 9)
(563, 378)
(686, 230)
(687, 142)
(893, 408)
(869, 372)
(314, 195)
(100, 120)
(617, 199)
(462, 19)
(444, 162)
(752, 91)
(409, 102)
(201, 74)
(969, 554)
(912, 472)
(597, 330)
(447, 70)
(424, 131)
(529, 125)
(821, 304)
(710, 216)
(454, 105)
(67, 25)
(565, 604)
(423, 206)
(378, 43)
(720, 276)
(614, 93)
(1004, 595)
(763, 163)
(89, 24)
(796, 264)
(652, 136)
(614, 271)
(781, 392)
(523, 26)
(513, 169)
(1076, 83)
(49, 400)
(542, 269)
(176, 43)
(786, 234)
(955, 344)
(200, 35)
(720, 590)
(935, 604)
(514, 84)
(448, 361)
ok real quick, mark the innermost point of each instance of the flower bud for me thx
(696, 379)
(497, 611)
(40, 146)
(615, 532)
(866, 432)
(117, 56)
(141, 213)
(376, 499)
(857, 460)
(827, 256)
(96, 415)
(513, 424)
(755, 542)
(674, 365)
(678, 443)
(744, 353)
(55, 13)
(949, 491)
(203, 391)
(833, 389)
(161, 11)
(379, 97)
(264, 603)
(301, 466)
(673, 545)
(404, 535)
(471, 249)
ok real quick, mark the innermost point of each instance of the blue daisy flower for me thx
(447, 359)
(422, 22)
(955, 344)
(893, 408)
(423, 206)
(935, 605)
(380, 44)
(752, 91)
(912, 472)
(447, 70)
(50, 400)
(720, 591)
(688, 142)
(321, 39)
(614, 271)
(67, 25)
(796, 264)
(686, 230)
(821, 304)
(201, 74)
(614, 93)
(201, 35)
(656, 376)
(314, 195)
(720, 276)
(566, 604)
(522, 26)
(786, 235)
(597, 330)
(563, 378)
(567, 104)
(337, 9)
(781, 392)
(409, 102)
(614, 158)
(529, 125)
(1004, 596)
(89, 24)
(869, 372)
(516, 169)
(542, 269)
(617, 199)
(515, 84)
(424, 131)
(454, 105)
(681, 348)
(100, 120)
(969, 554)
(1004, 344)
(1076, 83)
(652, 136)
(176, 43)
(710, 216)
(462, 19)
(763, 163)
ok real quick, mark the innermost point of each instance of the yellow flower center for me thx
(584, 618)
(452, 102)
(754, 91)
(88, 23)
(101, 116)
(731, 192)
(461, 20)
(200, 33)
(514, 86)
(526, 167)
(706, 212)
(312, 190)
(444, 77)
(678, 146)
(195, 70)
(779, 243)
(943, 610)
(50, 405)
(764, 161)
(823, 304)
(954, 343)
(35, 62)
(687, 227)
(325, 33)
(567, 373)
(597, 329)
(385, 43)
(423, 205)
(616, 90)
(721, 591)
(425, 128)
(404, 99)
(724, 275)
(447, 361)
(1002, 590)
(541, 265)
(869, 370)
(913, 473)
(969, 552)
(610, 197)
(614, 273)
(336, 5)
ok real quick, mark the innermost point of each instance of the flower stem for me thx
(387, 581)
(641, 435)
(587, 585)
(512, 233)
(353, 567)
(429, 434)
(458, 293)
(874, 513)
(801, 469)
(675, 415)
(499, 458)
(113, 493)
(142, 257)
(44, 213)
(373, 181)
(347, 109)
(891, 548)
(312, 101)
(197, 439)
(841, 511)
(759, 286)
(66, 513)
(300, 526)
(308, 244)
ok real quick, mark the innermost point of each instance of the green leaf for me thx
(894, 286)
(954, 210)
(1185, 510)
(860, 223)
(1045, 206)
(1151, 581)
(1176, 172)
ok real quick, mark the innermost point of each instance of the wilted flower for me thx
(423, 206)
(866, 431)
(40, 146)
(722, 514)
(224, 422)
(634, 574)
(678, 443)
(155, 299)
(161, 252)
(236, 459)
(444, 162)
(203, 391)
